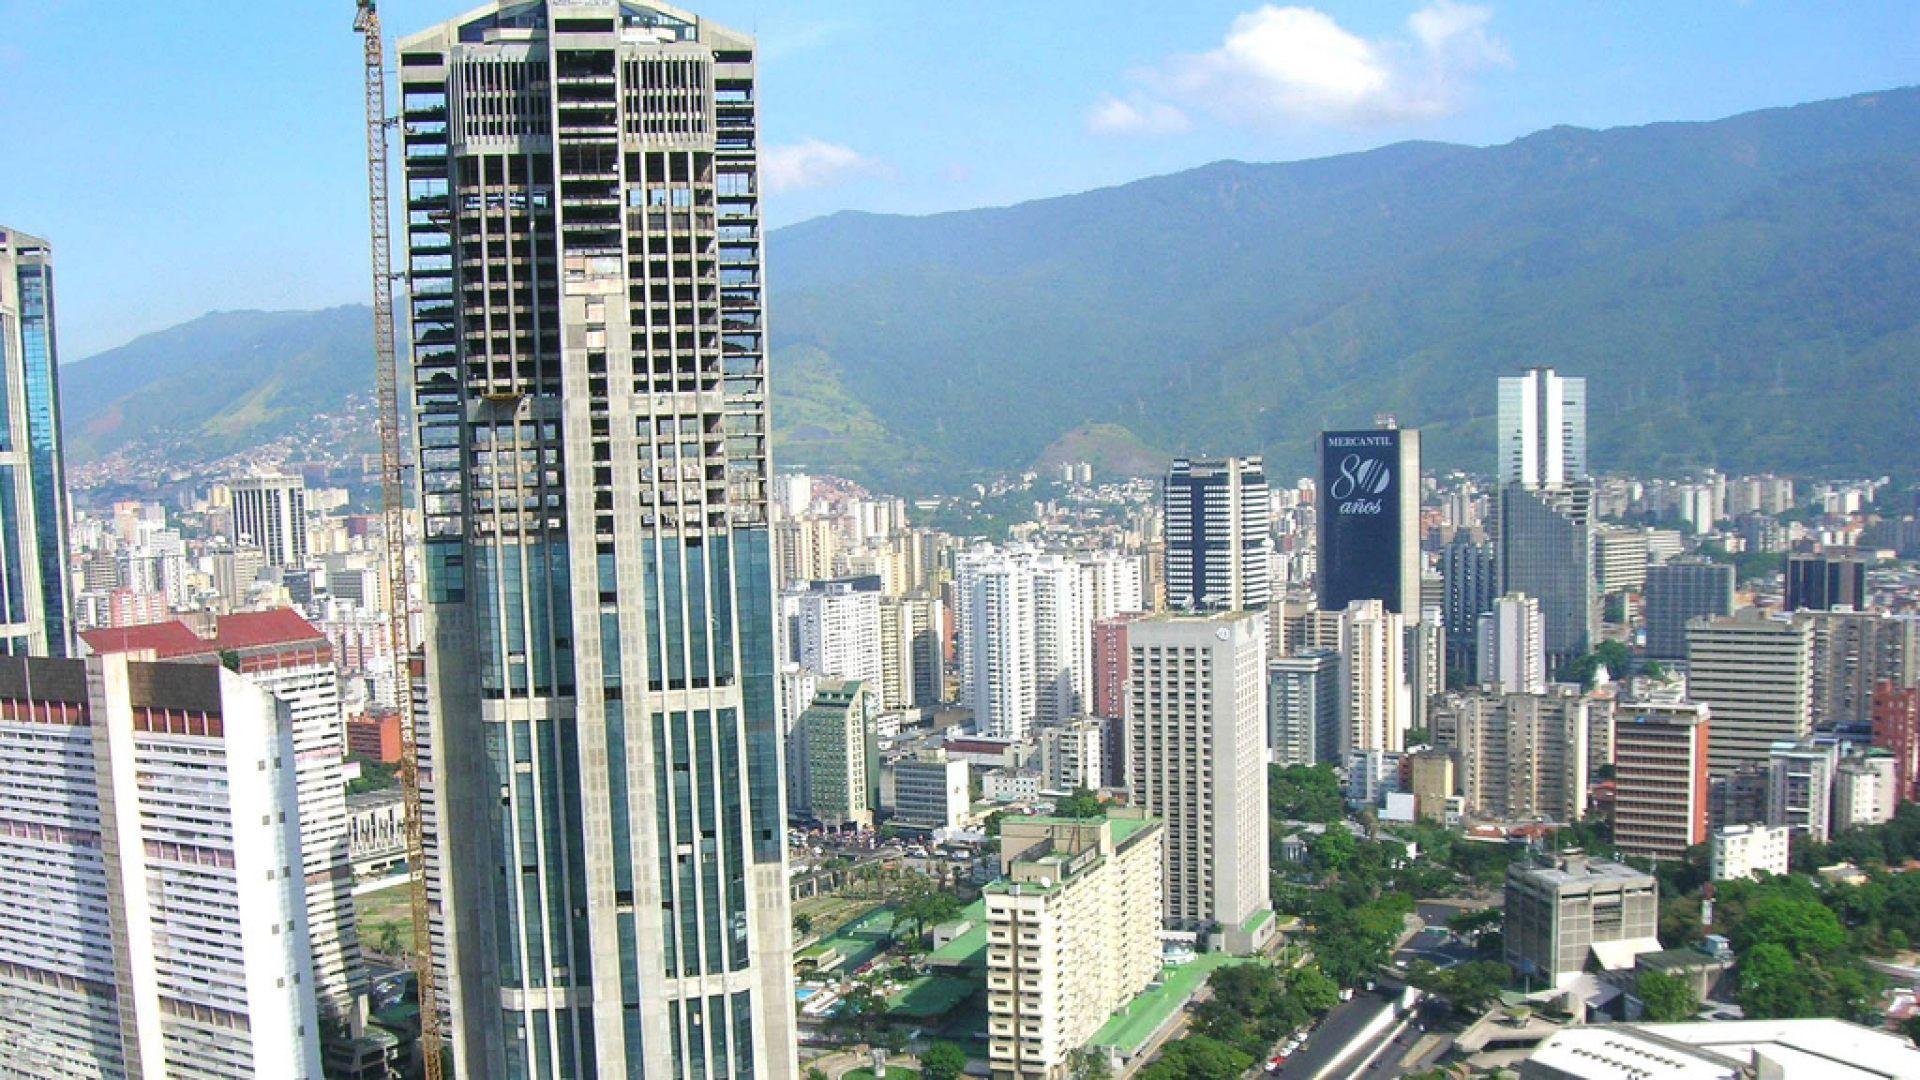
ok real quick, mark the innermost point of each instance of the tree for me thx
(816, 1073)
(943, 1061)
(1087, 1063)
(1198, 1057)
(1083, 803)
(1332, 850)
(1305, 793)
(803, 924)
(924, 906)
(1668, 998)
(1770, 984)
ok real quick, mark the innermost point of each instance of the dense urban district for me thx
(643, 758)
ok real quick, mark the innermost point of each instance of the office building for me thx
(1756, 674)
(1197, 735)
(1619, 559)
(1305, 710)
(1468, 572)
(1853, 652)
(1896, 729)
(1542, 429)
(584, 268)
(270, 513)
(1373, 675)
(283, 654)
(1575, 911)
(152, 921)
(1522, 757)
(925, 789)
(1546, 552)
(1072, 935)
(1678, 593)
(1787, 1049)
(1369, 520)
(843, 755)
(1800, 789)
(1512, 646)
(1219, 522)
(1660, 755)
(1748, 851)
(838, 630)
(36, 610)
(1826, 582)
(1865, 790)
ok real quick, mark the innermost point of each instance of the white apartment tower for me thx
(1197, 732)
(1512, 646)
(839, 631)
(270, 513)
(1373, 671)
(999, 680)
(152, 916)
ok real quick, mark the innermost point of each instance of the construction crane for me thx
(393, 491)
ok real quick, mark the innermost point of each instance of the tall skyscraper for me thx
(1678, 593)
(1542, 420)
(588, 344)
(151, 921)
(1544, 510)
(1219, 526)
(1512, 650)
(36, 616)
(1197, 734)
(1369, 520)
(270, 513)
(1756, 674)
(1467, 571)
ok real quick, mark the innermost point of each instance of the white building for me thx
(1815, 1049)
(1374, 675)
(1512, 646)
(152, 916)
(270, 513)
(1011, 785)
(1197, 730)
(994, 617)
(1070, 755)
(1744, 851)
(1542, 429)
(1800, 788)
(1865, 790)
(839, 632)
(1072, 935)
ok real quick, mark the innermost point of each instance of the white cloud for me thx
(1298, 65)
(1137, 115)
(812, 163)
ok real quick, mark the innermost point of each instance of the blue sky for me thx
(206, 154)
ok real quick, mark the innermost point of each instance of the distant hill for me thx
(225, 381)
(1740, 292)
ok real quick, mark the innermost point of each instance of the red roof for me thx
(236, 632)
(167, 639)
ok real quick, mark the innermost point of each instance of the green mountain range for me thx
(1740, 293)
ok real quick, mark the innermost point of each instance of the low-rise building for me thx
(1744, 851)
(1073, 934)
(1723, 1050)
(1011, 785)
(925, 789)
(1575, 912)
(377, 832)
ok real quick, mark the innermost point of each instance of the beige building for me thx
(1197, 735)
(1431, 777)
(1576, 912)
(1072, 935)
(1523, 757)
(1756, 674)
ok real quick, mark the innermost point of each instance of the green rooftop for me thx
(969, 950)
(1132, 1026)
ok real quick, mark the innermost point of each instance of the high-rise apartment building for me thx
(1660, 753)
(1853, 652)
(1865, 790)
(151, 913)
(36, 610)
(1800, 788)
(1373, 679)
(270, 513)
(838, 635)
(843, 755)
(1523, 757)
(1542, 429)
(1197, 732)
(1512, 645)
(1678, 593)
(1756, 674)
(1219, 523)
(1305, 713)
(1748, 851)
(1369, 520)
(1896, 729)
(590, 383)
(1072, 935)
(913, 668)
(1826, 582)
(1110, 665)
(1072, 755)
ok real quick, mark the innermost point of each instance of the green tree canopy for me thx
(943, 1061)
(1668, 998)
(1198, 1057)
